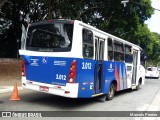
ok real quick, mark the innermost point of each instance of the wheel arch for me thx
(112, 82)
(113, 88)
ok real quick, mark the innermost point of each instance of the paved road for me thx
(141, 100)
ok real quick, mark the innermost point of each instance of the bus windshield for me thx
(50, 37)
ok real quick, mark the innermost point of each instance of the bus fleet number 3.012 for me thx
(86, 65)
(60, 77)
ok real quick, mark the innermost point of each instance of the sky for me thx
(154, 22)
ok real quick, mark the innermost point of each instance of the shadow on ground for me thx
(45, 99)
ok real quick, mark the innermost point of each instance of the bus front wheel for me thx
(139, 84)
(111, 92)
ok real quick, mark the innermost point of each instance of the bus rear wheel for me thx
(111, 92)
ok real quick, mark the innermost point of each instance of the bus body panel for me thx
(47, 70)
(54, 71)
(86, 77)
(115, 71)
(51, 71)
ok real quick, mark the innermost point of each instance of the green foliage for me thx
(108, 15)
(155, 56)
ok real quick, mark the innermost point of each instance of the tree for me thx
(155, 56)
(107, 15)
(2, 2)
(10, 26)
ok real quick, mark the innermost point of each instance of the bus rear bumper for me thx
(70, 90)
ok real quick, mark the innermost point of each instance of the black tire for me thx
(138, 86)
(111, 92)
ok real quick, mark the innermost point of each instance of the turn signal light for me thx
(72, 72)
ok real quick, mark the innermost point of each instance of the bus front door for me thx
(135, 59)
(99, 57)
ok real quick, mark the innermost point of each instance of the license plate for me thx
(44, 88)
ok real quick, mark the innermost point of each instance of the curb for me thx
(5, 89)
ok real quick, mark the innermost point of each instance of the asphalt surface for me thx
(145, 99)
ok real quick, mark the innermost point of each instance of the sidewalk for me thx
(4, 89)
(8, 85)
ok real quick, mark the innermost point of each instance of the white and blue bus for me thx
(72, 59)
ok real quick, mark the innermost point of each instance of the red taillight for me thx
(72, 72)
(23, 69)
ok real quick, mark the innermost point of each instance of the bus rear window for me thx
(50, 37)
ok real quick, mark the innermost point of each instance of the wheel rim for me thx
(111, 91)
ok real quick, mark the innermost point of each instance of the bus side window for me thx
(87, 44)
(118, 51)
(128, 54)
(110, 49)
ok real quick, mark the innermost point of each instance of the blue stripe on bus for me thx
(54, 70)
